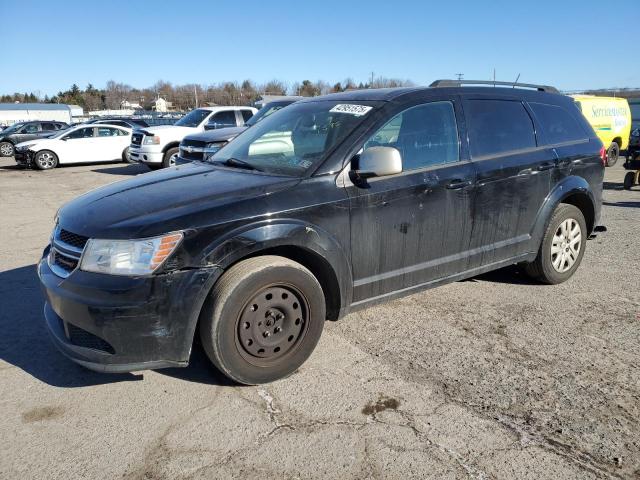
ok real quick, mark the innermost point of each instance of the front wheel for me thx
(629, 180)
(562, 246)
(263, 319)
(613, 153)
(6, 149)
(45, 160)
(169, 159)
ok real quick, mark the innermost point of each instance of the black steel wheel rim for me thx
(272, 324)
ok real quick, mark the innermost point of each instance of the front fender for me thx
(254, 238)
(567, 187)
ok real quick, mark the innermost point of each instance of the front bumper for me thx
(113, 323)
(23, 157)
(144, 155)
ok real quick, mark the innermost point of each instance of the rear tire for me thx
(263, 319)
(125, 155)
(45, 160)
(169, 159)
(562, 246)
(613, 153)
(629, 180)
(6, 149)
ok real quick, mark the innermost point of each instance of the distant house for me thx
(264, 99)
(11, 113)
(127, 105)
(161, 105)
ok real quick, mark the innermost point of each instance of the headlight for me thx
(210, 149)
(129, 257)
(152, 140)
(23, 148)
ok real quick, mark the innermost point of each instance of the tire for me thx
(629, 180)
(125, 155)
(613, 153)
(169, 159)
(6, 149)
(45, 160)
(551, 267)
(263, 319)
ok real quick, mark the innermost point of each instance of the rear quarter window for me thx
(558, 125)
(498, 126)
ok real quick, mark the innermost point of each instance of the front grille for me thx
(68, 264)
(73, 239)
(136, 139)
(197, 154)
(82, 338)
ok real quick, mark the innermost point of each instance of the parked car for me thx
(23, 131)
(634, 139)
(132, 123)
(377, 194)
(157, 147)
(78, 144)
(610, 117)
(201, 146)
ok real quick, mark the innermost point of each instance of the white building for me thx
(127, 105)
(161, 105)
(11, 113)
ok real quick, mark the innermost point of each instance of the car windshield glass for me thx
(12, 128)
(295, 139)
(264, 112)
(193, 118)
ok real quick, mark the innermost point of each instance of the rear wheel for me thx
(45, 160)
(125, 155)
(562, 246)
(263, 319)
(6, 149)
(169, 159)
(629, 180)
(613, 153)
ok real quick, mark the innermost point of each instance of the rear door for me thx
(110, 143)
(512, 176)
(414, 227)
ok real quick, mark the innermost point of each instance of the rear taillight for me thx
(603, 156)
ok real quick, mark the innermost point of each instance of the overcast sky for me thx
(49, 45)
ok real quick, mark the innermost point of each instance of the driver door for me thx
(413, 228)
(79, 146)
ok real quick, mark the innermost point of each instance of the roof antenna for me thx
(517, 78)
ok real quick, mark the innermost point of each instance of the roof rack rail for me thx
(459, 83)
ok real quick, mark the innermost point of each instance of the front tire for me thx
(45, 160)
(169, 159)
(613, 153)
(6, 149)
(562, 246)
(263, 319)
(629, 180)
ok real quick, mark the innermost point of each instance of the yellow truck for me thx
(610, 117)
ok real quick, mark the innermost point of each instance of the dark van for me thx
(329, 205)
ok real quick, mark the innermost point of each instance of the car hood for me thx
(188, 196)
(219, 135)
(33, 142)
(169, 132)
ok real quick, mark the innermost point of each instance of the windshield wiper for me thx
(234, 162)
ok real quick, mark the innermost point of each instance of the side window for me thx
(224, 119)
(31, 128)
(425, 135)
(107, 132)
(558, 124)
(80, 133)
(48, 126)
(498, 126)
(121, 133)
(247, 114)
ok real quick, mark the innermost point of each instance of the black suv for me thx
(329, 205)
(23, 131)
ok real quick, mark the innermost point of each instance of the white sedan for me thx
(80, 144)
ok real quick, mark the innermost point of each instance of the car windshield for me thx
(12, 128)
(293, 140)
(265, 111)
(193, 118)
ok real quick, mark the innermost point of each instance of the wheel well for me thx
(317, 265)
(583, 202)
(617, 140)
(170, 145)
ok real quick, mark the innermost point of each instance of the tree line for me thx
(183, 97)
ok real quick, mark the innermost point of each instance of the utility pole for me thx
(371, 83)
(460, 75)
(195, 92)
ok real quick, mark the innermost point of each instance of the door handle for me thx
(546, 166)
(458, 183)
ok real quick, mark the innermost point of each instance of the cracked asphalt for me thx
(494, 377)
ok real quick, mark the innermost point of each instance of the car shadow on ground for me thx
(25, 342)
(129, 169)
(622, 204)
(512, 275)
(612, 186)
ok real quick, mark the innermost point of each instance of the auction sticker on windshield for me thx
(357, 110)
